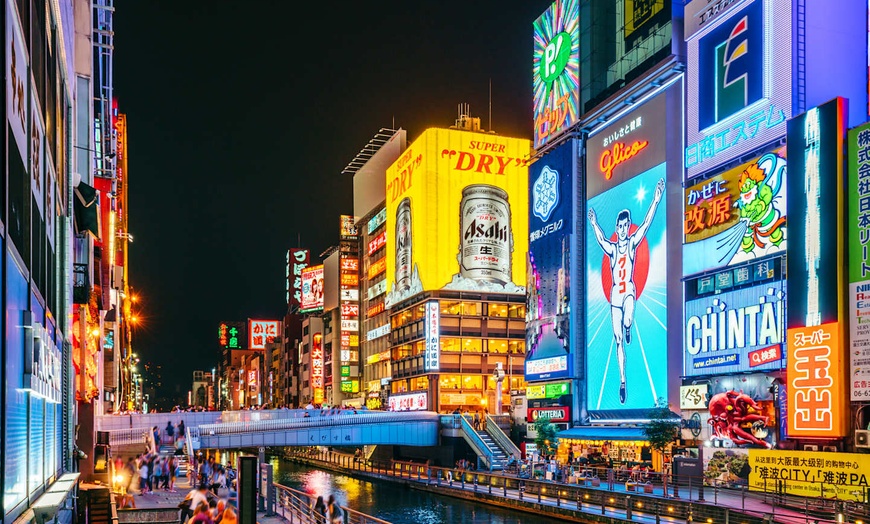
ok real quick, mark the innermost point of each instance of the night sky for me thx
(241, 118)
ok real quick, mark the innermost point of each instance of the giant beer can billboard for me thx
(457, 207)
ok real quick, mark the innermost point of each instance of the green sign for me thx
(556, 390)
(345, 371)
(858, 189)
(350, 386)
(556, 56)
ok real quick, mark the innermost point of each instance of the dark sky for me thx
(241, 116)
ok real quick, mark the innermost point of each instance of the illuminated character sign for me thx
(622, 253)
(758, 210)
(737, 417)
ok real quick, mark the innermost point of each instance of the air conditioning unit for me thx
(862, 438)
(811, 447)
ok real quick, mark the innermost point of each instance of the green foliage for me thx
(662, 429)
(547, 439)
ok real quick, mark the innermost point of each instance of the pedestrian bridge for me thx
(279, 428)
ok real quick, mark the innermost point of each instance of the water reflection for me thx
(394, 502)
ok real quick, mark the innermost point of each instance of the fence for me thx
(298, 507)
(602, 490)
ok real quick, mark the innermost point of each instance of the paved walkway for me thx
(751, 504)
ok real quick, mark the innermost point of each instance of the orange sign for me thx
(815, 382)
(377, 268)
(620, 152)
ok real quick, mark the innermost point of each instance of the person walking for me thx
(336, 514)
(319, 509)
(170, 432)
(143, 476)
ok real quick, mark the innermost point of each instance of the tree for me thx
(547, 440)
(662, 428)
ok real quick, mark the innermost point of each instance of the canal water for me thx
(394, 502)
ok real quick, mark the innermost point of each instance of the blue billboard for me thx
(735, 331)
(548, 320)
(626, 294)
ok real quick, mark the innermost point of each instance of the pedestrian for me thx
(143, 476)
(336, 515)
(173, 473)
(476, 421)
(201, 515)
(158, 473)
(229, 517)
(219, 478)
(319, 509)
(170, 432)
(156, 431)
(181, 429)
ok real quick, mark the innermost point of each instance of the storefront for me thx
(610, 447)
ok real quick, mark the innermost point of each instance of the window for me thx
(452, 307)
(516, 311)
(497, 310)
(472, 345)
(496, 346)
(463, 382)
(516, 347)
(420, 384)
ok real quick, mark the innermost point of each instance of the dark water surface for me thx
(396, 503)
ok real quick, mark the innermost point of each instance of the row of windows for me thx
(464, 345)
(463, 308)
(452, 383)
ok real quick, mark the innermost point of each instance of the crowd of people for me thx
(328, 511)
(203, 506)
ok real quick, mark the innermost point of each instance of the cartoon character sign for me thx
(737, 417)
(627, 294)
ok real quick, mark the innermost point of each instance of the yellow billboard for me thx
(810, 473)
(457, 214)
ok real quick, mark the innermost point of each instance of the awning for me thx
(86, 209)
(603, 433)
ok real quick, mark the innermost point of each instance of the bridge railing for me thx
(226, 428)
(477, 444)
(129, 437)
(500, 438)
(298, 507)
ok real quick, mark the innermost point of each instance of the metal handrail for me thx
(298, 506)
(298, 423)
(501, 439)
(476, 443)
(191, 440)
(126, 437)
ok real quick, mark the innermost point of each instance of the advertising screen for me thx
(626, 294)
(816, 241)
(457, 208)
(556, 70)
(262, 332)
(810, 474)
(858, 224)
(738, 55)
(548, 319)
(736, 216)
(312, 289)
(735, 331)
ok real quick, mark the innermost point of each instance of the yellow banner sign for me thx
(810, 473)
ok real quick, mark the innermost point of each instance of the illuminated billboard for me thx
(810, 474)
(317, 361)
(312, 289)
(297, 260)
(556, 70)
(231, 335)
(457, 208)
(262, 332)
(626, 294)
(858, 223)
(548, 319)
(735, 331)
(739, 58)
(736, 216)
(817, 377)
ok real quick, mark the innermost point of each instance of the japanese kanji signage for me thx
(736, 60)
(262, 332)
(842, 476)
(816, 389)
(736, 216)
(858, 223)
(317, 367)
(297, 260)
(231, 335)
(432, 328)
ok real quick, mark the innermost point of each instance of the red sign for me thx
(554, 413)
(377, 242)
(350, 264)
(764, 356)
(377, 268)
(611, 158)
(261, 332)
(350, 310)
(375, 309)
(317, 361)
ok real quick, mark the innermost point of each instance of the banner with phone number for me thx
(810, 473)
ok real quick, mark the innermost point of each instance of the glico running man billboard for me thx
(626, 253)
(548, 319)
(556, 70)
(457, 215)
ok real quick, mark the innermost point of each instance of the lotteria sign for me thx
(554, 413)
(742, 330)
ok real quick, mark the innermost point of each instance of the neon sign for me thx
(620, 153)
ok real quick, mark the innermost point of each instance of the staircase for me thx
(183, 463)
(98, 506)
(499, 457)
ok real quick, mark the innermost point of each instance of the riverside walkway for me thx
(614, 503)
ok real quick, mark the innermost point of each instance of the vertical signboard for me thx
(739, 71)
(816, 378)
(858, 223)
(297, 260)
(311, 298)
(432, 326)
(556, 70)
(231, 335)
(317, 367)
(626, 260)
(457, 208)
(548, 319)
